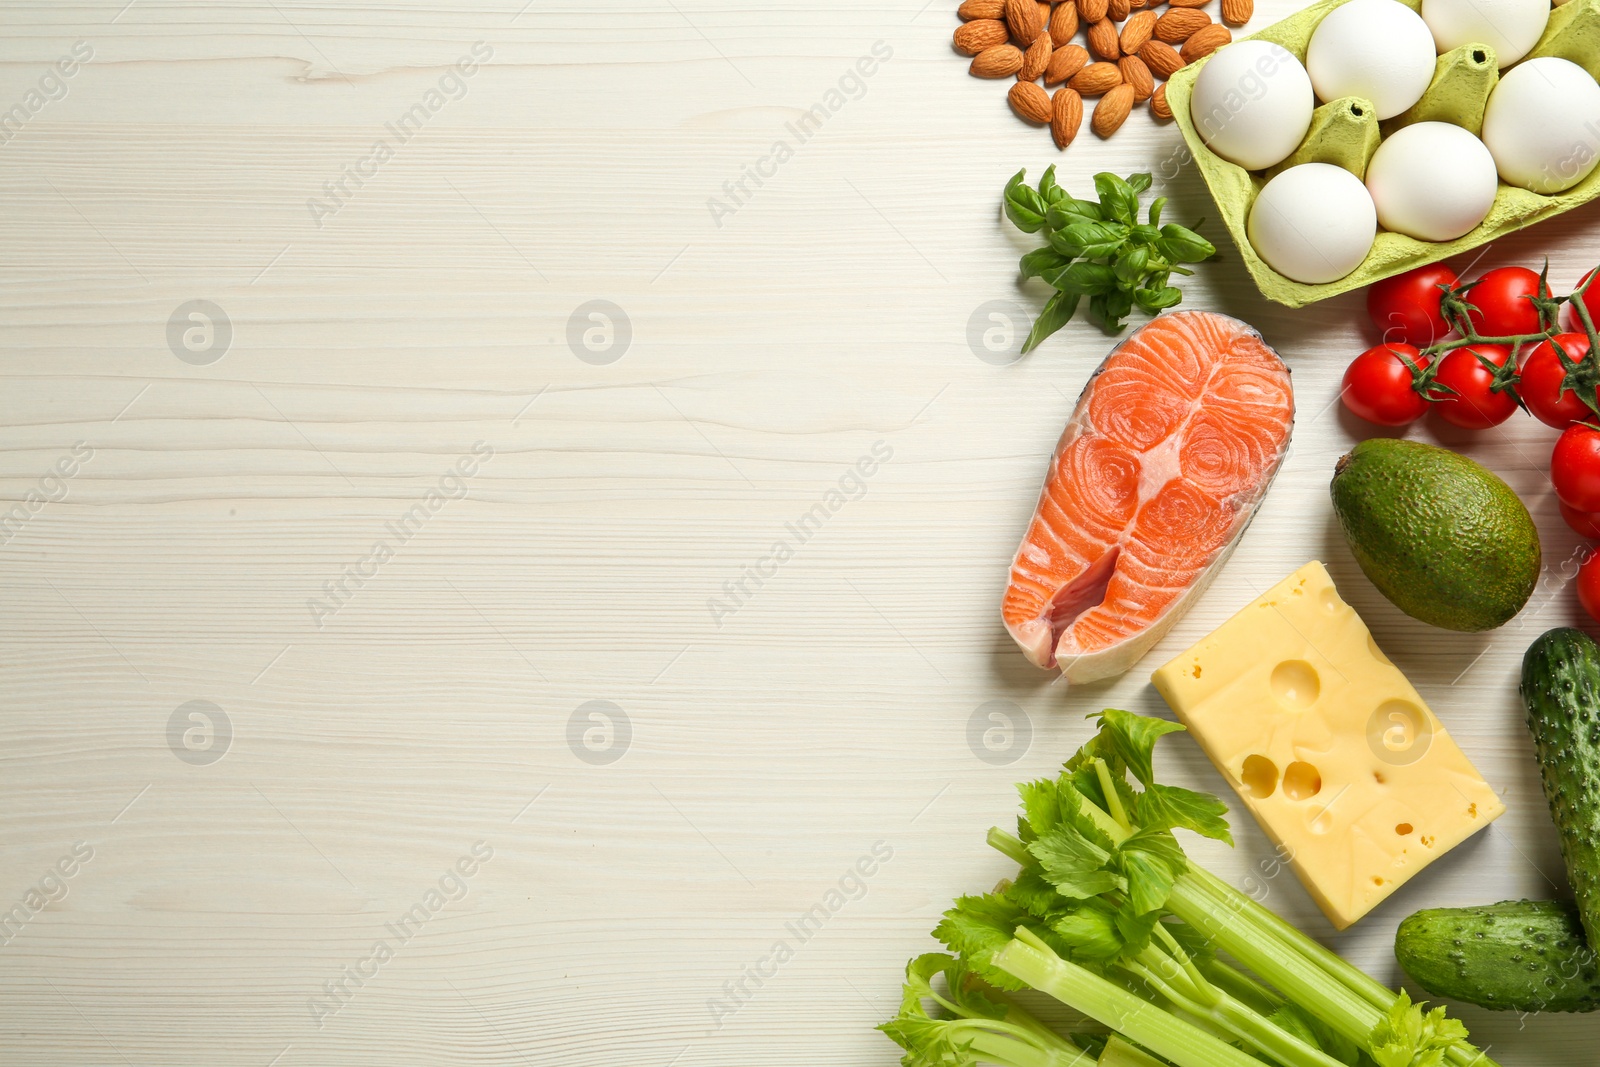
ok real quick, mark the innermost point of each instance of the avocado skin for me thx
(1439, 535)
(1561, 691)
(1527, 955)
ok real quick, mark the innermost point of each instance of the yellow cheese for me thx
(1327, 744)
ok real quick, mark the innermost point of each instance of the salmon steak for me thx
(1167, 455)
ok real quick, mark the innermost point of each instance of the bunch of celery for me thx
(1108, 916)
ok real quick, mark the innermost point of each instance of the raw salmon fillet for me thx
(1172, 445)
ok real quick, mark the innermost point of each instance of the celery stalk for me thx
(1163, 1033)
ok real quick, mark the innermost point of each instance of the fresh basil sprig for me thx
(1100, 249)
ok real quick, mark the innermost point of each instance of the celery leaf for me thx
(1167, 807)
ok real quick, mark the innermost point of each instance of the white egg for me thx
(1432, 180)
(1252, 103)
(1377, 49)
(1510, 27)
(1542, 125)
(1313, 223)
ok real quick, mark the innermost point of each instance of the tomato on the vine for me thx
(1501, 297)
(1406, 306)
(1377, 385)
(1543, 377)
(1473, 405)
(1591, 301)
(1575, 467)
(1589, 585)
(1583, 522)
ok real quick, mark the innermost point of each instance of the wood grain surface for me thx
(397, 512)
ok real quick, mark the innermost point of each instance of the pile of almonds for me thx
(1130, 45)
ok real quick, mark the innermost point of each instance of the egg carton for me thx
(1346, 132)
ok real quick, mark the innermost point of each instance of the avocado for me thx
(1439, 535)
(1520, 955)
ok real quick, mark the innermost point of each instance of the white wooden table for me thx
(389, 680)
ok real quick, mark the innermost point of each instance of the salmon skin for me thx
(1170, 449)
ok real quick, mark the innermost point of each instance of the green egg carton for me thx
(1346, 132)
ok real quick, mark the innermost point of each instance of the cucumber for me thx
(1561, 689)
(1527, 955)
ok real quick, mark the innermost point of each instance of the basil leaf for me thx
(1140, 184)
(1132, 264)
(1048, 187)
(1147, 234)
(1110, 309)
(1155, 210)
(1117, 197)
(1024, 207)
(1154, 300)
(1060, 242)
(1057, 311)
(1091, 279)
(1182, 245)
(1093, 240)
(1040, 260)
(1066, 211)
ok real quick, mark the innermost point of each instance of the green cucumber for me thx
(1527, 955)
(1561, 689)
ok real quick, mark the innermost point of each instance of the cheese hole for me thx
(1260, 776)
(1301, 781)
(1295, 684)
(1403, 829)
(1377, 653)
(1330, 600)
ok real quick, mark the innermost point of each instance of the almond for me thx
(1001, 61)
(1066, 115)
(1044, 16)
(1065, 62)
(1096, 79)
(1117, 10)
(982, 9)
(1237, 12)
(1035, 59)
(1063, 24)
(1138, 5)
(1139, 28)
(1091, 11)
(1030, 102)
(1022, 16)
(973, 37)
(1162, 59)
(1158, 103)
(1204, 41)
(1102, 38)
(1136, 74)
(1188, 3)
(1179, 23)
(1112, 111)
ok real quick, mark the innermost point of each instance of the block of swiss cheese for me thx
(1328, 745)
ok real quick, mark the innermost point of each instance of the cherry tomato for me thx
(1589, 585)
(1473, 405)
(1406, 307)
(1591, 301)
(1575, 468)
(1501, 297)
(1377, 385)
(1585, 523)
(1542, 375)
